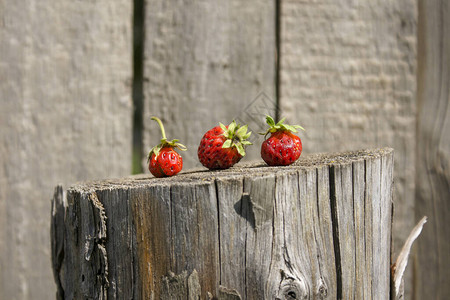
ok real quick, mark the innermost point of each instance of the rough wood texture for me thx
(433, 151)
(320, 229)
(65, 115)
(398, 268)
(205, 62)
(348, 75)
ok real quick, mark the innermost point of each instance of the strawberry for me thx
(223, 146)
(163, 159)
(283, 147)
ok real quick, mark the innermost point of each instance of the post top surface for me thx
(258, 168)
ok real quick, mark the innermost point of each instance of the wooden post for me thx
(318, 229)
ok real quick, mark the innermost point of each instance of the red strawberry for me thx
(163, 159)
(283, 147)
(223, 146)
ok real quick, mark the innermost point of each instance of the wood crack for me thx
(218, 230)
(337, 251)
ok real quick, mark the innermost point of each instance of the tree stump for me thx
(319, 229)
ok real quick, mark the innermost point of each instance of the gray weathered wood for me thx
(260, 191)
(399, 267)
(233, 207)
(361, 231)
(119, 242)
(348, 75)
(433, 151)
(149, 205)
(65, 115)
(194, 227)
(205, 62)
(57, 238)
(319, 229)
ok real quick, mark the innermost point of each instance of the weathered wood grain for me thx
(433, 151)
(194, 228)
(57, 238)
(324, 236)
(234, 217)
(348, 75)
(361, 231)
(259, 254)
(373, 180)
(150, 205)
(119, 243)
(205, 62)
(342, 202)
(313, 230)
(65, 115)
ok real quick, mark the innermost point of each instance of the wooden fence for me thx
(345, 70)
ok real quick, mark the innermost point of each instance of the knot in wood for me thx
(322, 291)
(291, 289)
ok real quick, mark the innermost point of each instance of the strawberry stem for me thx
(163, 133)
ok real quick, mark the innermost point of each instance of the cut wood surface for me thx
(318, 229)
(206, 62)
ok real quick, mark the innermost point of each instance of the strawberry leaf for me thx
(270, 121)
(236, 136)
(242, 131)
(232, 127)
(290, 128)
(181, 146)
(227, 144)
(240, 149)
(155, 150)
(247, 135)
(224, 128)
(279, 126)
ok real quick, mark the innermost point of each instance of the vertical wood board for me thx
(432, 268)
(65, 115)
(206, 62)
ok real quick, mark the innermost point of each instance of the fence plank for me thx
(433, 150)
(65, 115)
(348, 75)
(205, 62)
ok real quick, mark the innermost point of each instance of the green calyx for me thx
(280, 126)
(236, 136)
(164, 141)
